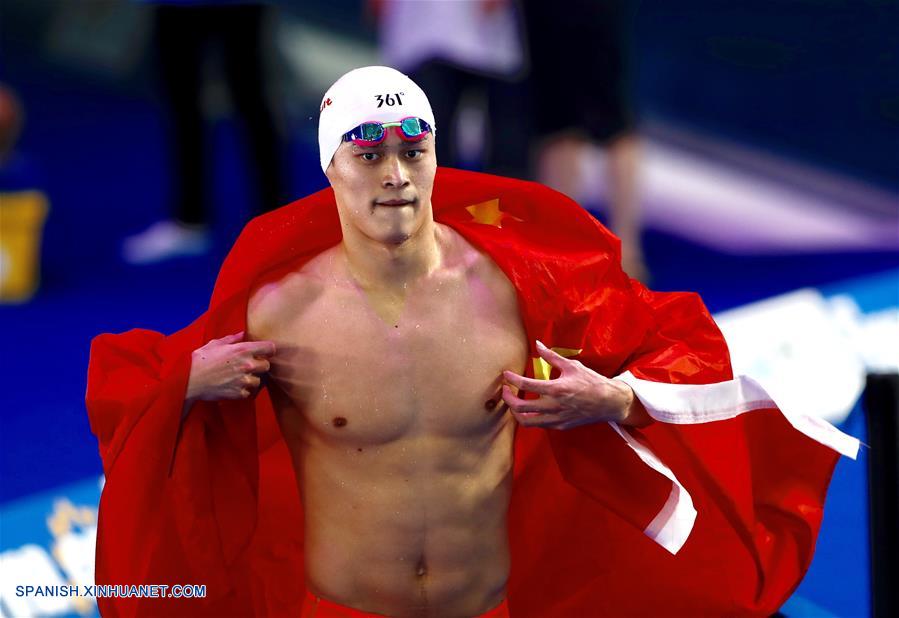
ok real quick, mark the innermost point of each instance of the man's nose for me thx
(395, 173)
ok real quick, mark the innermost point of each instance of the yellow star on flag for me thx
(489, 213)
(542, 369)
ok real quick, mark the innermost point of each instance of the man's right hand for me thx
(227, 368)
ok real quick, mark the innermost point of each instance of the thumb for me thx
(235, 338)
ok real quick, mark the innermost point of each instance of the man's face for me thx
(384, 191)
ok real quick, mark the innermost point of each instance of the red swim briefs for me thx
(317, 607)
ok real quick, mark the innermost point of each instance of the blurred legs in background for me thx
(468, 57)
(183, 36)
(623, 167)
(560, 165)
(504, 138)
(581, 97)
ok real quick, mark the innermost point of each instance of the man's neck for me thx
(393, 267)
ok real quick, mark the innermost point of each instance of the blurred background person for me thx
(469, 57)
(581, 92)
(185, 34)
(23, 206)
(11, 121)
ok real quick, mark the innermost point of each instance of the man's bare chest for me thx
(345, 373)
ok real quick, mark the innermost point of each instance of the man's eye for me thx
(369, 156)
(414, 154)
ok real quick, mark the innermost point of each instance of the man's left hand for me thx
(579, 396)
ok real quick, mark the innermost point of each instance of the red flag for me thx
(713, 509)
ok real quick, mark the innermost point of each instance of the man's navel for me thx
(421, 569)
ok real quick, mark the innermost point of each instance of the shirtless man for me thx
(393, 343)
(399, 353)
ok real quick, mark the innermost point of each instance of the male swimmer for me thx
(392, 358)
(392, 465)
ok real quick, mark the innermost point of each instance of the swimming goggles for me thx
(372, 133)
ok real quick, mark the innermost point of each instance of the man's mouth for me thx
(394, 202)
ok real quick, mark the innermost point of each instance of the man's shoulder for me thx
(477, 264)
(290, 294)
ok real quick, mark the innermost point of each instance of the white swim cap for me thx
(381, 94)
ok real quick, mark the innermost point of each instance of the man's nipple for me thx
(490, 404)
(338, 421)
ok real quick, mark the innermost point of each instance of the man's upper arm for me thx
(262, 310)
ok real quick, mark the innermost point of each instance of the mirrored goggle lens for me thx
(370, 132)
(374, 132)
(413, 127)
